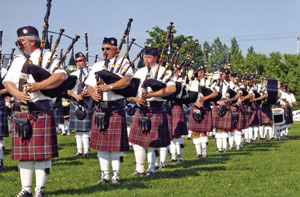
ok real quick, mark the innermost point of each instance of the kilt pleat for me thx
(158, 136)
(266, 114)
(177, 125)
(255, 119)
(115, 137)
(58, 115)
(3, 121)
(225, 122)
(204, 125)
(43, 143)
(80, 125)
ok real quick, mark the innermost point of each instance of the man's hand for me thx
(139, 101)
(23, 97)
(147, 95)
(96, 97)
(78, 97)
(32, 87)
(102, 88)
(199, 104)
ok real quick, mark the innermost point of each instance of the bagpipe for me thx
(38, 73)
(113, 75)
(2, 75)
(182, 94)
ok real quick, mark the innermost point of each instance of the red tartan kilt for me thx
(225, 122)
(247, 111)
(170, 123)
(204, 125)
(266, 115)
(178, 121)
(115, 138)
(255, 119)
(158, 136)
(43, 143)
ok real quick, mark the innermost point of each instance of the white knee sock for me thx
(219, 140)
(104, 159)
(255, 133)
(238, 138)
(250, 133)
(2, 144)
(116, 163)
(151, 157)
(204, 140)
(78, 137)
(246, 135)
(190, 133)
(128, 132)
(86, 142)
(26, 169)
(179, 145)
(163, 154)
(42, 170)
(262, 132)
(231, 139)
(224, 138)
(173, 149)
(197, 143)
(140, 155)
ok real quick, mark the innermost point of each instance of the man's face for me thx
(80, 62)
(27, 46)
(108, 51)
(201, 74)
(223, 76)
(150, 60)
(233, 79)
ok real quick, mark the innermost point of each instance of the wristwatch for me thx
(110, 87)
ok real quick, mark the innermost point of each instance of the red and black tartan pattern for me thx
(158, 136)
(288, 115)
(241, 123)
(255, 119)
(178, 121)
(225, 122)
(115, 137)
(266, 115)
(3, 121)
(247, 111)
(204, 125)
(43, 143)
(84, 125)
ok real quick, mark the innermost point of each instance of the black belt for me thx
(43, 105)
(111, 104)
(156, 104)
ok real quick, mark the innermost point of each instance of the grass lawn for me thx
(267, 168)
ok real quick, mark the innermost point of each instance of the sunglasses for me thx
(107, 48)
(79, 61)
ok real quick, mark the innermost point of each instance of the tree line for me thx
(284, 67)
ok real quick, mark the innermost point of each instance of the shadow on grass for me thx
(134, 182)
(10, 168)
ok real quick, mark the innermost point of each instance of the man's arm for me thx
(52, 82)
(15, 92)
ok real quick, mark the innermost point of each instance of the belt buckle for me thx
(24, 108)
(103, 104)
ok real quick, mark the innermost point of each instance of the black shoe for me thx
(198, 155)
(172, 160)
(1, 165)
(149, 173)
(179, 160)
(39, 193)
(219, 151)
(104, 181)
(115, 181)
(189, 138)
(136, 173)
(24, 193)
(161, 166)
(87, 155)
(78, 154)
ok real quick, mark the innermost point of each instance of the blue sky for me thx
(267, 25)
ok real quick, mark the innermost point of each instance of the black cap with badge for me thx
(111, 41)
(27, 31)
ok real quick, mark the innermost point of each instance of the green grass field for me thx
(267, 168)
